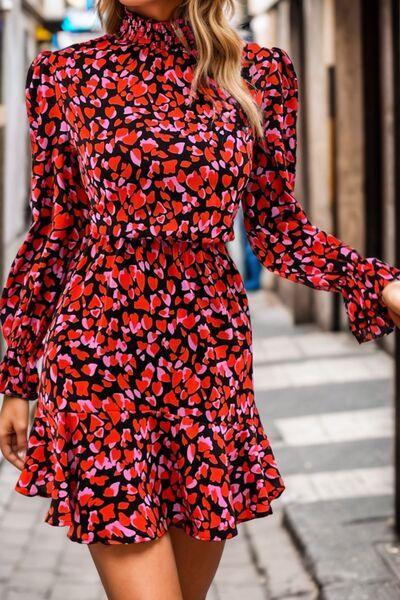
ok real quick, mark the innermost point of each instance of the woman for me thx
(146, 428)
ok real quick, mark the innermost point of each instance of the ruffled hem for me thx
(122, 478)
(19, 375)
(159, 531)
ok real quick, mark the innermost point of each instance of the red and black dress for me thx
(125, 291)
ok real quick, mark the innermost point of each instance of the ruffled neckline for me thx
(136, 28)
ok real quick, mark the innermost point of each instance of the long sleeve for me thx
(278, 229)
(58, 214)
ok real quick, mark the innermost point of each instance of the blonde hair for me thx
(219, 48)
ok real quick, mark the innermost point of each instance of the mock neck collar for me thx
(140, 29)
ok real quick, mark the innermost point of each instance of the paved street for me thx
(326, 404)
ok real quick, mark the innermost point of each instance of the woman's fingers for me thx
(391, 298)
(14, 420)
(7, 449)
(395, 317)
(19, 440)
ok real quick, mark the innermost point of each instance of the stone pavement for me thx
(327, 406)
(325, 403)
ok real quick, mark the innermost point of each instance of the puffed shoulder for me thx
(269, 67)
(41, 95)
(284, 75)
(39, 67)
(276, 79)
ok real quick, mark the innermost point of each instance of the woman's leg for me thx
(142, 571)
(197, 562)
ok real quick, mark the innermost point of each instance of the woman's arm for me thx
(58, 207)
(278, 229)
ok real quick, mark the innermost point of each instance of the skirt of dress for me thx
(146, 415)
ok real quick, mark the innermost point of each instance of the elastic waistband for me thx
(106, 235)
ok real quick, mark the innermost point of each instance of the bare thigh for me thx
(138, 571)
(197, 562)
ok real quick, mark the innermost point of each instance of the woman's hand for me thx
(391, 297)
(14, 421)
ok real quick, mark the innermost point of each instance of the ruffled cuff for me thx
(367, 314)
(19, 375)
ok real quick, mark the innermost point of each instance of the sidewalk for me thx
(326, 403)
(326, 406)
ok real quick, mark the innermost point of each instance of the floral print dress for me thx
(124, 291)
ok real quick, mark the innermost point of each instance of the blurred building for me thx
(26, 27)
(344, 53)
